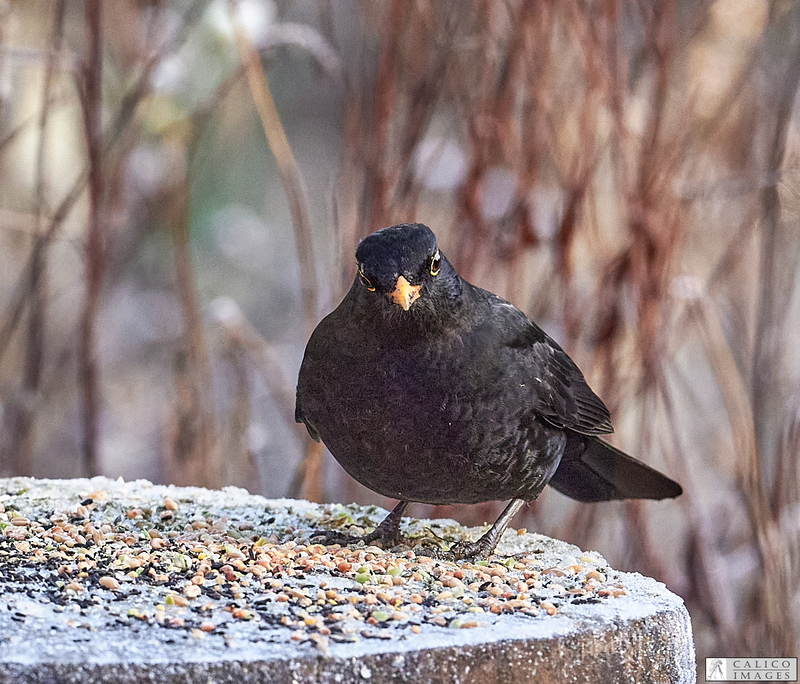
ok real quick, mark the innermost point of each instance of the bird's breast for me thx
(425, 422)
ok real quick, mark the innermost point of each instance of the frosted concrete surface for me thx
(110, 581)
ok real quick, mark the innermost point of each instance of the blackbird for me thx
(426, 388)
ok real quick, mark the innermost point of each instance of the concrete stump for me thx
(109, 581)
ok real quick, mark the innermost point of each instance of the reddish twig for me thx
(23, 411)
(93, 253)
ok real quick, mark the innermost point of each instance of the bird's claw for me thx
(462, 550)
(381, 537)
(331, 537)
(467, 550)
(387, 534)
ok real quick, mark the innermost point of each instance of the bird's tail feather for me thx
(593, 470)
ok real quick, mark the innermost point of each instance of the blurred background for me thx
(183, 184)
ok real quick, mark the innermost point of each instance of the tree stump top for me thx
(109, 581)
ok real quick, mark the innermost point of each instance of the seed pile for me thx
(171, 562)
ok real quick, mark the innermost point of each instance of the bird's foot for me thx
(465, 550)
(331, 537)
(387, 534)
(485, 546)
(428, 543)
(386, 539)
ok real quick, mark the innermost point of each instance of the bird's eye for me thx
(365, 281)
(436, 264)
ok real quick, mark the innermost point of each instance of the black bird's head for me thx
(401, 268)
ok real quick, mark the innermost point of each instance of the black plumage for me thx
(426, 388)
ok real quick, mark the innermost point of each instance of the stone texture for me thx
(641, 636)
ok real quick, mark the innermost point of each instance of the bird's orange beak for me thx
(405, 294)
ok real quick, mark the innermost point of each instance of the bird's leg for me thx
(389, 529)
(387, 532)
(486, 544)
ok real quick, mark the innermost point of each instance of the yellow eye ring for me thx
(365, 281)
(436, 263)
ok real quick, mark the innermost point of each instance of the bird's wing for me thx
(300, 418)
(308, 378)
(559, 390)
(299, 415)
